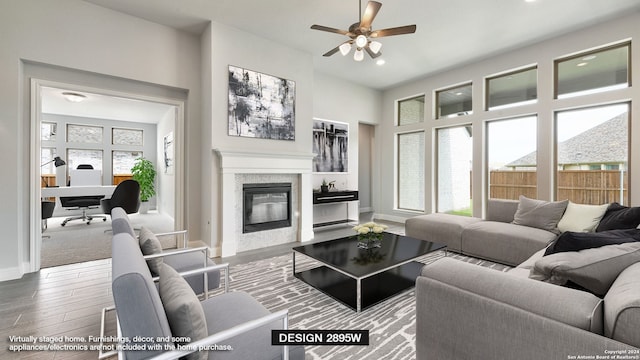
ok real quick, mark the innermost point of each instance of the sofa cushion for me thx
(184, 312)
(254, 344)
(571, 241)
(150, 245)
(581, 218)
(504, 243)
(593, 269)
(539, 214)
(501, 210)
(619, 217)
(622, 307)
(443, 228)
(585, 311)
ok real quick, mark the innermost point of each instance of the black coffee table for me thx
(360, 278)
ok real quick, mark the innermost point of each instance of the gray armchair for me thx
(234, 319)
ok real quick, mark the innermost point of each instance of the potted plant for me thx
(325, 186)
(144, 172)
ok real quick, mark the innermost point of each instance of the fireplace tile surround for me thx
(240, 167)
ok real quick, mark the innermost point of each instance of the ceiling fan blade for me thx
(401, 30)
(369, 14)
(329, 29)
(332, 51)
(371, 53)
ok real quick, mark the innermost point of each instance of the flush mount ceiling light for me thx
(73, 96)
(360, 34)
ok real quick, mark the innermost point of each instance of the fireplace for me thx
(266, 206)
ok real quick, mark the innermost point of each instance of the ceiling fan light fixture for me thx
(358, 55)
(345, 48)
(375, 46)
(361, 41)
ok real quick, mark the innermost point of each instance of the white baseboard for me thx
(11, 273)
(394, 218)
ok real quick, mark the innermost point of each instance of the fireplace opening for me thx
(266, 206)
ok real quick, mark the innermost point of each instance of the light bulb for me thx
(358, 55)
(361, 41)
(375, 46)
(345, 48)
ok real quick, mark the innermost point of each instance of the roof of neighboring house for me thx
(601, 144)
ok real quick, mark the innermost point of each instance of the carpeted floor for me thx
(391, 324)
(78, 242)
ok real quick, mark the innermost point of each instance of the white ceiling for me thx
(449, 32)
(103, 107)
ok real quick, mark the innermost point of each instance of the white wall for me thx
(230, 46)
(542, 54)
(339, 100)
(78, 35)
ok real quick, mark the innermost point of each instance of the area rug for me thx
(391, 324)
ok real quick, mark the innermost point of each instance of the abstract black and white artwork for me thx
(330, 146)
(260, 105)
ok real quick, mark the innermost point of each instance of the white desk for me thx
(56, 192)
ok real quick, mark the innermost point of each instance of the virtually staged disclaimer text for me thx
(106, 343)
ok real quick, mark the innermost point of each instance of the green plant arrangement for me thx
(144, 172)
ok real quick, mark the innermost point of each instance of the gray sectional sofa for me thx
(495, 238)
(465, 311)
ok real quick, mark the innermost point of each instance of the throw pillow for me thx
(184, 311)
(581, 218)
(539, 214)
(150, 245)
(593, 269)
(619, 217)
(573, 241)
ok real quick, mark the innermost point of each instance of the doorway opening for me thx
(107, 130)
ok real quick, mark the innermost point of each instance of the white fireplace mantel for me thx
(234, 162)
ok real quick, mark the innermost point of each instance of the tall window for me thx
(511, 158)
(411, 111)
(123, 161)
(411, 171)
(512, 89)
(455, 155)
(76, 157)
(595, 71)
(592, 152)
(452, 102)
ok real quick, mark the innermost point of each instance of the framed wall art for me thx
(330, 146)
(169, 153)
(260, 105)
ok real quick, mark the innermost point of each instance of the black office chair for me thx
(126, 195)
(47, 212)
(82, 202)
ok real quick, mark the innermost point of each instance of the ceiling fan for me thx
(361, 33)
